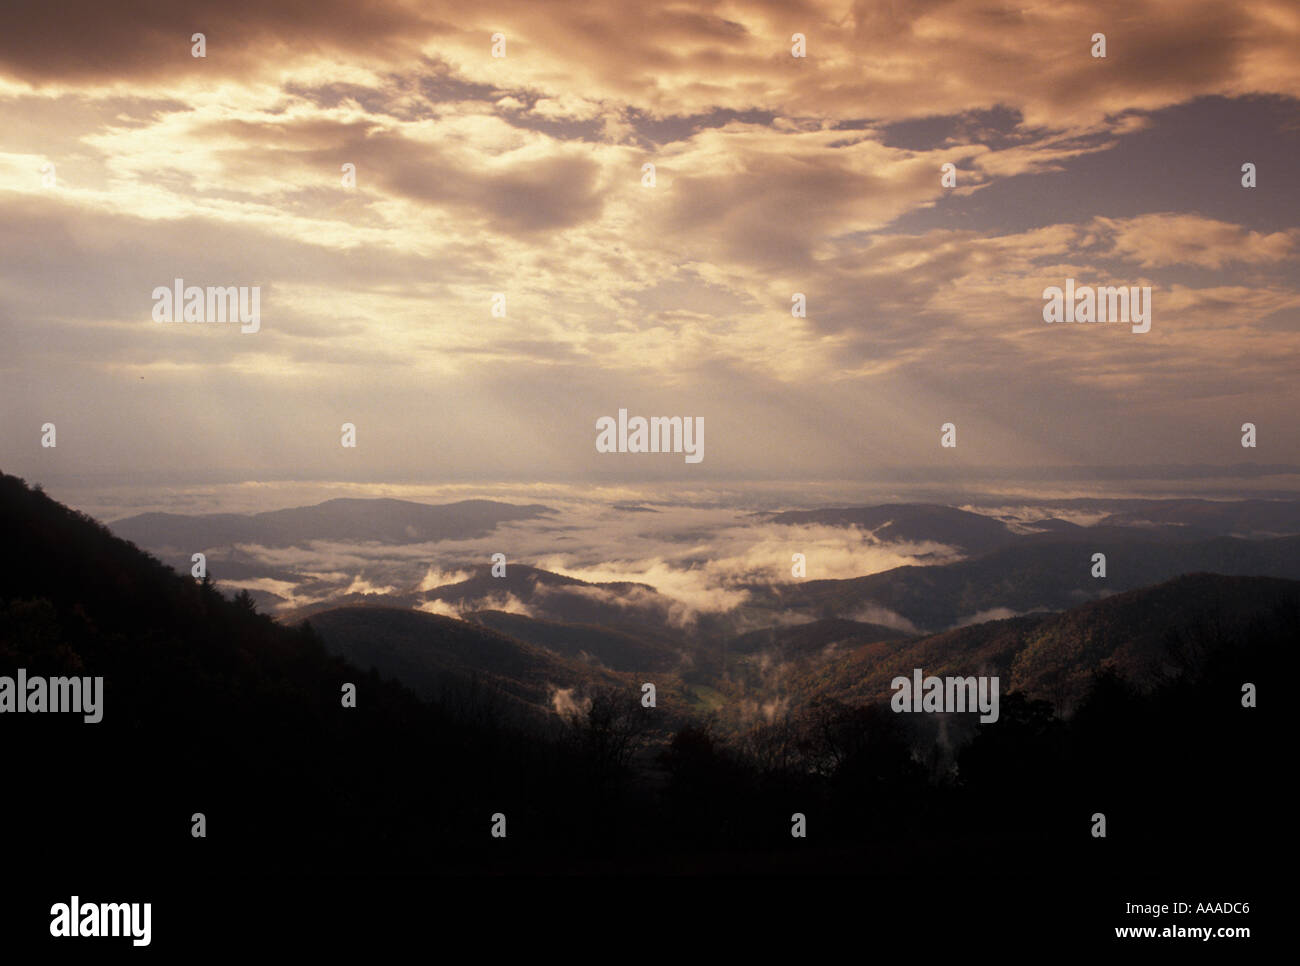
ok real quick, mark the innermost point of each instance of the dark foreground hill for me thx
(210, 707)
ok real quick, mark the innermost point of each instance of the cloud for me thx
(869, 60)
(508, 603)
(1173, 239)
(708, 573)
(522, 176)
(86, 42)
(439, 607)
(360, 585)
(281, 588)
(875, 614)
(435, 578)
(993, 614)
(567, 704)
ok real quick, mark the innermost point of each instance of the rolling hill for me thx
(1042, 572)
(1146, 635)
(432, 655)
(614, 649)
(354, 520)
(911, 522)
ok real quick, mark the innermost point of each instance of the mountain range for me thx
(210, 707)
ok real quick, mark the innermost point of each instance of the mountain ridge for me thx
(381, 520)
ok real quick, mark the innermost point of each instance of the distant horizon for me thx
(113, 500)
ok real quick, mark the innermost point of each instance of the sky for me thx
(126, 162)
